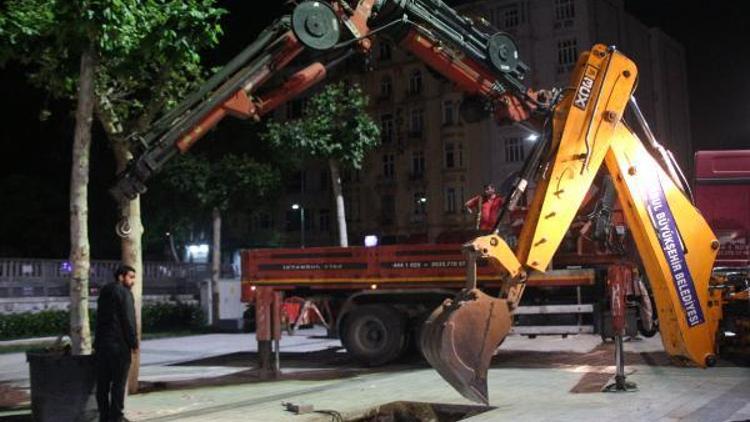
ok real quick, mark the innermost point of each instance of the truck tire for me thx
(374, 334)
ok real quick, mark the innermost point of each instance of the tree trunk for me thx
(80, 332)
(131, 231)
(215, 264)
(173, 249)
(339, 196)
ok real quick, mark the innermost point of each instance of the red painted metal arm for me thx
(470, 76)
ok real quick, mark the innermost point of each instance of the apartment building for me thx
(412, 187)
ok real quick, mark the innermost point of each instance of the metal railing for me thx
(23, 277)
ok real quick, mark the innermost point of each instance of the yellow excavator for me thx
(582, 128)
(676, 246)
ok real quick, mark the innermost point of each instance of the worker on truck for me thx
(487, 205)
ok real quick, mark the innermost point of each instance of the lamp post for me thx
(301, 222)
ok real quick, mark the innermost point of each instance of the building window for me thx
(309, 219)
(294, 220)
(450, 200)
(449, 155)
(453, 155)
(564, 10)
(352, 206)
(420, 203)
(324, 217)
(350, 175)
(567, 53)
(417, 164)
(449, 113)
(325, 180)
(386, 128)
(262, 221)
(389, 166)
(415, 82)
(384, 51)
(386, 87)
(297, 182)
(506, 17)
(388, 209)
(295, 108)
(514, 150)
(416, 121)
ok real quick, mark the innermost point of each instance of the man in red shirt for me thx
(489, 203)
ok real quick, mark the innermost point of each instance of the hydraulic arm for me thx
(582, 130)
(482, 62)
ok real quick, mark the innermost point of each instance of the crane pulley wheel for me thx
(503, 52)
(316, 25)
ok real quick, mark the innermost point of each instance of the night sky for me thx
(35, 159)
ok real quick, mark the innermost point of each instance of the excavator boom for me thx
(676, 245)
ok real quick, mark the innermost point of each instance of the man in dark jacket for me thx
(115, 339)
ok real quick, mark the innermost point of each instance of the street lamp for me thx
(301, 222)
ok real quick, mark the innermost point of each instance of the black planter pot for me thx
(63, 387)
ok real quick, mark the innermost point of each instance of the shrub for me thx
(39, 324)
(154, 318)
(170, 317)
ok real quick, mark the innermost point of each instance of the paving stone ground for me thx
(211, 378)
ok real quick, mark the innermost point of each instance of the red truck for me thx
(377, 297)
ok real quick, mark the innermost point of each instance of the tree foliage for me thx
(147, 50)
(334, 125)
(147, 57)
(232, 179)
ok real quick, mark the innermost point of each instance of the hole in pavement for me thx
(408, 411)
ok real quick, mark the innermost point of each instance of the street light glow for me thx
(198, 249)
(295, 206)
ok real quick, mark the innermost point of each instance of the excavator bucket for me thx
(460, 338)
